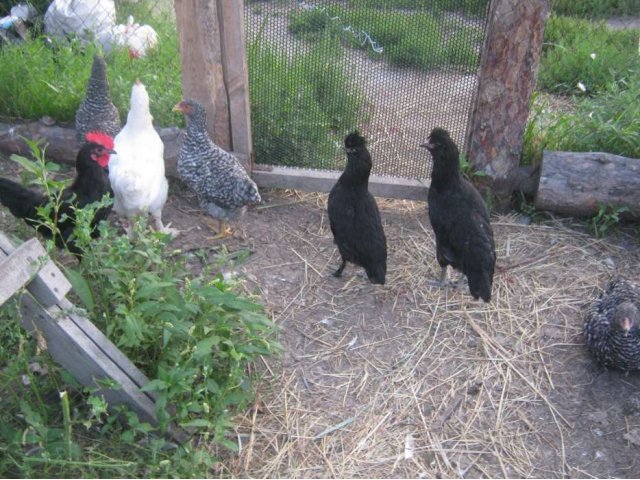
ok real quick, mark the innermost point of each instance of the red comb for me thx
(100, 138)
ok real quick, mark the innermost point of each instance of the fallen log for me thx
(62, 147)
(61, 141)
(578, 183)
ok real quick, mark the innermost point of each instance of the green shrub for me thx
(303, 119)
(192, 335)
(569, 51)
(407, 38)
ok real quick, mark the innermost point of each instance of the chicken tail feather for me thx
(18, 199)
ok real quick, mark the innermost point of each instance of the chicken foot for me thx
(157, 221)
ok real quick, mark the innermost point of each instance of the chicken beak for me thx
(428, 145)
(111, 152)
(177, 107)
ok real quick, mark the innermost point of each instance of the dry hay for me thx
(408, 380)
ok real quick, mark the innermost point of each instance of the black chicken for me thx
(459, 218)
(612, 326)
(90, 185)
(354, 216)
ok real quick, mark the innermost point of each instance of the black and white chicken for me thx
(460, 220)
(612, 325)
(97, 112)
(354, 216)
(223, 186)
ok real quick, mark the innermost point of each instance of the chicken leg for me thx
(157, 221)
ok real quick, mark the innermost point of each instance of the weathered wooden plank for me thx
(49, 285)
(576, 183)
(201, 64)
(323, 181)
(506, 79)
(82, 357)
(79, 347)
(17, 269)
(236, 75)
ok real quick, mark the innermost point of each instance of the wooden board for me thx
(201, 64)
(19, 267)
(576, 183)
(72, 340)
(49, 284)
(236, 75)
(323, 181)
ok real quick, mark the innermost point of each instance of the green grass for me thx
(303, 119)
(596, 8)
(570, 45)
(420, 39)
(472, 7)
(52, 81)
(609, 123)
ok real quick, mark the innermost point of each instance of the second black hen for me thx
(90, 185)
(460, 220)
(354, 216)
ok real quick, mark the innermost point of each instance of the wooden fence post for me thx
(201, 64)
(236, 77)
(508, 70)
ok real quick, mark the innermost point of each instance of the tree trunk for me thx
(508, 69)
(578, 183)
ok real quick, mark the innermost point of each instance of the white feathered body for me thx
(136, 171)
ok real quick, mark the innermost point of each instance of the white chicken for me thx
(136, 172)
(138, 38)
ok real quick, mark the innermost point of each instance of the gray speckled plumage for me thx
(97, 112)
(612, 325)
(222, 185)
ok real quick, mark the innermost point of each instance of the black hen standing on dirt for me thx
(612, 326)
(223, 186)
(90, 185)
(459, 218)
(97, 113)
(354, 216)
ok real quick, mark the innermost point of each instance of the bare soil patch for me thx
(409, 380)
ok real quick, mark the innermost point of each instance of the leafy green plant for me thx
(193, 335)
(607, 217)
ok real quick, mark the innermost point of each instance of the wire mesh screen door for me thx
(393, 69)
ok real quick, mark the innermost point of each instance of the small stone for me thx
(610, 263)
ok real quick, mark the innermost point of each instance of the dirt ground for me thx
(409, 380)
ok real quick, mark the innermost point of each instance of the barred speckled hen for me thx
(223, 186)
(612, 325)
(97, 112)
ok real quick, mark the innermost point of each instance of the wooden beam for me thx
(49, 285)
(201, 64)
(323, 181)
(578, 183)
(17, 269)
(507, 76)
(236, 76)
